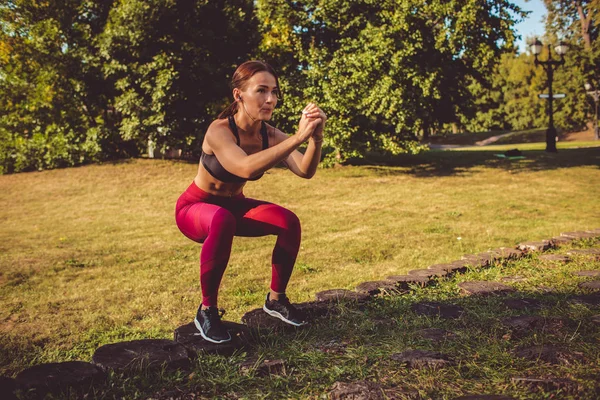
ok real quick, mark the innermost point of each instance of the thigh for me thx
(195, 220)
(261, 218)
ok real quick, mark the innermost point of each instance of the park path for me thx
(485, 142)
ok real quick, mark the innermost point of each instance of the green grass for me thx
(356, 343)
(531, 146)
(91, 255)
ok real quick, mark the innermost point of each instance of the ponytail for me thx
(229, 111)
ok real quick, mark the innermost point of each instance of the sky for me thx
(533, 24)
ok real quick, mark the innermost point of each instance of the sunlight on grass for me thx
(92, 255)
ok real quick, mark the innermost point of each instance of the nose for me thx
(271, 98)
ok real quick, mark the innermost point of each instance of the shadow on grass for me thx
(450, 163)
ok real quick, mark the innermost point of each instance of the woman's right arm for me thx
(236, 161)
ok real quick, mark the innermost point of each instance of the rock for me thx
(260, 321)
(560, 241)
(522, 304)
(592, 299)
(592, 273)
(552, 354)
(434, 309)
(341, 295)
(451, 268)
(523, 322)
(485, 288)
(264, 368)
(488, 258)
(189, 337)
(584, 252)
(596, 231)
(485, 397)
(554, 258)
(535, 246)
(141, 354)
(361, 390)
(315, 309)
(590, 285)
(60, 377)
(375, 287)
(508, 253)
(546, 289)
(484, 259)
(418, 359)
(436, 335)
(550, 384)
(404, 282)
(579, 235)
(428, 273)
(7, 388)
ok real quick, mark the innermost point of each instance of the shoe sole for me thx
(281, 317)
(199, 327)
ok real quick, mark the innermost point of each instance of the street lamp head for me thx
(588, 87)
(562, 48)
(536, 47)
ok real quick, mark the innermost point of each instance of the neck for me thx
(245, 122)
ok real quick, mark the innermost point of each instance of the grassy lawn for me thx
(92, 255)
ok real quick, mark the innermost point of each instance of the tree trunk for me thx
(585, 25)
(425, 129)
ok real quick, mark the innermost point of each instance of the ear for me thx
(237, 94)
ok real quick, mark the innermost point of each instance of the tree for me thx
(51, 87)
(171, 61)
(385, 70)
(578, 23)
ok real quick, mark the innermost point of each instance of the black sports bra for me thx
(214, 167)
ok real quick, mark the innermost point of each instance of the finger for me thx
(311, 106)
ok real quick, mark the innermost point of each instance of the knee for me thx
(223, 223)
(291, 221)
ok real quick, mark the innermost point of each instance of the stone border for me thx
(185, 341)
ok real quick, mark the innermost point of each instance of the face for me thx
(260, 95)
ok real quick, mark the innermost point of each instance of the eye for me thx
(261, 90)
(275, 93)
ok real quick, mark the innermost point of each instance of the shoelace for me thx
(215, 316)
(286, 303)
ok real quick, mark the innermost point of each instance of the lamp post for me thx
(549, 66)
(596, 96)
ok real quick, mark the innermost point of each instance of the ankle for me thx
(276, 296)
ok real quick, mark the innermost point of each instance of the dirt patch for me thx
(580, 136)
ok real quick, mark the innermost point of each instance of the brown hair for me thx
(240, 78)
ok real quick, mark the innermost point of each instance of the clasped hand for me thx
(311, 123)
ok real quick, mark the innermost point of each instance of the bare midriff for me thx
(210, 184)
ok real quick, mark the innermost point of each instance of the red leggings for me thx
(215, 220)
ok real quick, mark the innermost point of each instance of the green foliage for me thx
(171, 61)
(52, 93)
(386, 71)
(85, 80)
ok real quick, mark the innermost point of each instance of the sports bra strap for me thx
(263, 132)
(234, 129)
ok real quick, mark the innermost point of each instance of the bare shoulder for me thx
(217, 126)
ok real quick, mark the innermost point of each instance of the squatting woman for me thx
(238, 147)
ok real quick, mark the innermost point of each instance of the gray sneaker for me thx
(284, 310)
(208, 322)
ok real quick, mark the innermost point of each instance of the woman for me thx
(239, 146)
